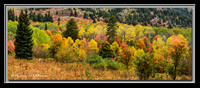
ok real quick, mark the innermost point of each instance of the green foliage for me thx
(71, 30)
(111, 29)
(50, 26)
(24, 42)
(105, 51)
(98, 62)
(12, 28)
(144, 66)
(40, 36)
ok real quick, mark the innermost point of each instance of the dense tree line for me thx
(40, 18)
(174, 17)
(11, 15)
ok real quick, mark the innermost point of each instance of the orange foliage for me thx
(145, 45)
(48, 32)
(11, 46)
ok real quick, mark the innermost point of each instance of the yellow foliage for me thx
(93, 46)
(114, 46)
(65, 42)
(139, 52)
(81, 32)
(56, 40)
(44, 46)
(70, 41)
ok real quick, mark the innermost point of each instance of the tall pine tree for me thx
(24, 42)
(71, 30)
(76, 14)
(58, 21)
(111, 29)
(85, 16)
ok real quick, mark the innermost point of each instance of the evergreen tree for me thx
(134, 22)
(71, 12)
(24, 42)
(85, 16)
(34, 17)
(75, 14)
(105, 51)
(58, 21)
(40, 17)
(45, 26)
(71, 30)
(13, 15)
(111, 29)
(94, 21)
(9, 14)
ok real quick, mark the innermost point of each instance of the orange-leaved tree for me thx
(178, 47)
(127, 55)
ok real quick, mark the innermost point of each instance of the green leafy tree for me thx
(111, 30)
(24, 42)
(71, 30)
(144, 64)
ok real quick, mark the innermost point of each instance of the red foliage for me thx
(118, 40)
(156, 37)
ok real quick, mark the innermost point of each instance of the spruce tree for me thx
(71, 30)
(24, 42)
(111, 29)
(85, 16)
(94, 20)
(45, 26)
(75, 14)
(105, 51)
(58, 21)
(71, 12)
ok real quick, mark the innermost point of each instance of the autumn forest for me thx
(99, 43)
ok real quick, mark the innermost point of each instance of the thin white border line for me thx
(110, 81)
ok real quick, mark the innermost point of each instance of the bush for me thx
(40, 51)
(66, 55)
(11, 47)
(98, 62)
(144, 66)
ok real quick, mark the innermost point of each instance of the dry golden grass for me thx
(48, 69)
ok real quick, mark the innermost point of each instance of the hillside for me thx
(166, 17)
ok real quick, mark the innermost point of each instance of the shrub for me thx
(40, 51)
(98, 62)
(48, 32)
(66, 55)
(11, 47)
(144, 65)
